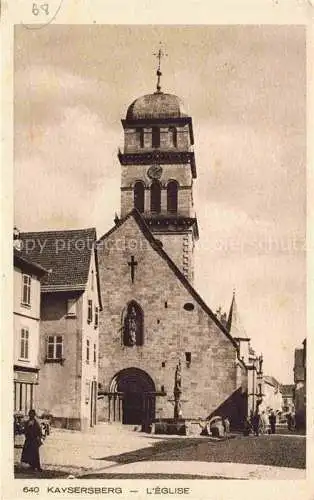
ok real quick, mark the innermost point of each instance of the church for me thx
(153, 319)
(143, 319)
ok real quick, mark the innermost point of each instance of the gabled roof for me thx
(66, 254)
(234, 324)
(28, 265)
(157, 246)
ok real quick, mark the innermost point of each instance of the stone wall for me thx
(180, 248)
(170, 331)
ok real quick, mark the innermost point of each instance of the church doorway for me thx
(132, 397)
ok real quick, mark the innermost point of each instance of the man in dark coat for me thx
(33, 440)
(289, 421)
(256, 423)
(247, 427)
(272, 421)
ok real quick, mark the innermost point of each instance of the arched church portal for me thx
(132, 397)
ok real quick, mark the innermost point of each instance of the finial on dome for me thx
(159, 55)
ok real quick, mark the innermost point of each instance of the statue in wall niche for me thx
(260, 362)
(132, 326)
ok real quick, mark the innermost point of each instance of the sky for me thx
(244, 87)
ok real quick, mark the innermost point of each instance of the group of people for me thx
(260, 423)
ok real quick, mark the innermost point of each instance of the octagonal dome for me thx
(157, 105)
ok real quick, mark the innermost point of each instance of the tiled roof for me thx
(25, 263)
(156, 245)
(66, 254)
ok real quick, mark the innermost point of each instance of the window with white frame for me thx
(90, 311)
(55, 347)
(87, 350)
(96, 317)
(26, 289)
(71, 307)
(24, 344)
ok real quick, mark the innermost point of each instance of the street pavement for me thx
(114, 451)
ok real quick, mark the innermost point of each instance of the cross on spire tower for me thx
(159, 56)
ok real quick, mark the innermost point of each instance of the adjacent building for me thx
(26, 322)
(70, 308)
(272, 395)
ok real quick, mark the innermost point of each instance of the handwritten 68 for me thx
(38, 8)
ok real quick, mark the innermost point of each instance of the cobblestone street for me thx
(109, 451)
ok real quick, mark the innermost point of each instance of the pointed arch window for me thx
(173, 136)
(155, 197)
(133, 325)
(172, 197)
(155, 137)
(139, 196)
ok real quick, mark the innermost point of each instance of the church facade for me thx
(153, 320)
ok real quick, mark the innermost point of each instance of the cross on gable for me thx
(133, 263)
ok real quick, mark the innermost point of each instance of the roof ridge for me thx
(58, 231)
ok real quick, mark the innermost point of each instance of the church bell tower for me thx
(158, 169)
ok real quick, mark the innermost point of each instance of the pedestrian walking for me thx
(33, 440)
(272, 421)
(289, 421)
(292, 421)
(264, 422)
(247, 427)
(256, 423)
